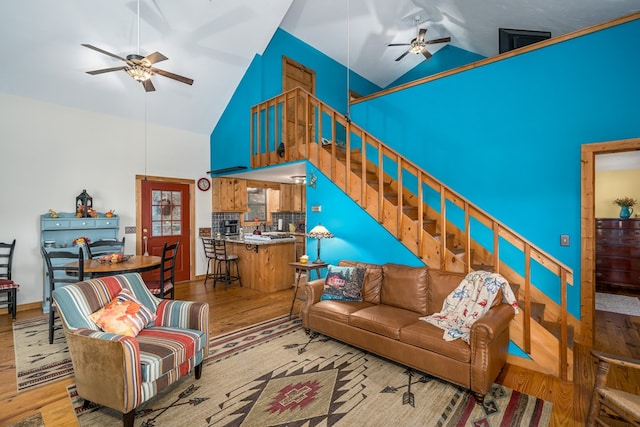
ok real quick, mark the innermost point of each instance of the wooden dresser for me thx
(618, 254)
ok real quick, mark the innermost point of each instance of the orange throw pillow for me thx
(124, 315)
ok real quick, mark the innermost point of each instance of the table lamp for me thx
(319, 232)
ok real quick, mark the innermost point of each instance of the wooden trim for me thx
(588, 225)
(500, 57)
(192, 217)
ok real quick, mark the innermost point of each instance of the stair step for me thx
(483, 267)
(554, 328)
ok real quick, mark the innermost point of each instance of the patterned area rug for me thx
(618, 304)
(34, 420)
(273, 376)
(37, 361)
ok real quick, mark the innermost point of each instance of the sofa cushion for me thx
(372, 280)
(405, 287)
(163, 349)
(337, 310)
(343, 283)
(424, 335)
(124, 315)
(383, 319)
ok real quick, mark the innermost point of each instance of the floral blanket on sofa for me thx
(468, 302)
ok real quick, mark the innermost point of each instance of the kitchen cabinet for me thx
(292, 198)
(264, 267)
(65, 229)
(617, 254)
(229, 195)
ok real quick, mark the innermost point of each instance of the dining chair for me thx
(222, 267)
(59, 275)
(8, 287)
(610, 404)
(165, 285)
(104, 247)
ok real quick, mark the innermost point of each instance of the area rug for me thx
(34, 420)
(621, 304)
(37, 361)
(286, 381)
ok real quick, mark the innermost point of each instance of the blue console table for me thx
(65, 229)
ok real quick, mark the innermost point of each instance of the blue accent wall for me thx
(507, 135)
(230, 138)
(358, 236)
(447, 58)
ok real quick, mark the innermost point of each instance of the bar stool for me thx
(222, 264)
(210, 254)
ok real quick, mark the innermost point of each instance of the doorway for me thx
(165, 213)
(297, 121)
(587, 268)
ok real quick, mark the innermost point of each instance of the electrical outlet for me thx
(130, 230)
(564, 240)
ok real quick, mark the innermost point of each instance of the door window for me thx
(166, 215)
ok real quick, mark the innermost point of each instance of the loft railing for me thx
(419, 210)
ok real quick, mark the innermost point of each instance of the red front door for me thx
(165, 218)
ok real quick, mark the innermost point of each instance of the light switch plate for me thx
(130, 230)
(564, 240)
(317, 208)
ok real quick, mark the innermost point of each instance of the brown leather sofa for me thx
(387, 323)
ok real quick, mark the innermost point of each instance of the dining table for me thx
(133, 264)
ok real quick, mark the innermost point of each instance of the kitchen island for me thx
(264, 263)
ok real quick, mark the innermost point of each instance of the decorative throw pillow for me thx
(124, 315)
(343, 283)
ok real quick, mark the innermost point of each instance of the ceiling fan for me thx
(419, 44)
(139, 67)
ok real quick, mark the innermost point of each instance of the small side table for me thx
(300, 268)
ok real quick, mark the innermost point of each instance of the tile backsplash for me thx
(294, 218)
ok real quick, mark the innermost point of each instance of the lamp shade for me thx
(320, 232)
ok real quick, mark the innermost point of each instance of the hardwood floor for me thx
(238, 307)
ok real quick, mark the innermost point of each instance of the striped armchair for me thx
(122, 372)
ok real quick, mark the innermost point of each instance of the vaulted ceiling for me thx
(213, 42)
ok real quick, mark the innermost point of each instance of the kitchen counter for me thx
(264, 263)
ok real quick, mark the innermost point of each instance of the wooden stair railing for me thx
(418, 210)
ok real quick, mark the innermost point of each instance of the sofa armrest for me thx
(106, 368)
(489, 343)
(313, 292)
(493, 322)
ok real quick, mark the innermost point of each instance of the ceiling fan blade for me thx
(148, 86)
(442, 40)
(173, 76)
(421, 33)
(113, 55)
(155, 57)
(402, 56)
(399, 44)
(426, 53)
(106, 70)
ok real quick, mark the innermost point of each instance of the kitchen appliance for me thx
(229, 227)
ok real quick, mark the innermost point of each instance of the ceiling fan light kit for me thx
(139, 67)
(418, 45)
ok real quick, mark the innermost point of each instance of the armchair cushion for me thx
(124, 315)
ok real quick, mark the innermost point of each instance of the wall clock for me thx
(204, 184)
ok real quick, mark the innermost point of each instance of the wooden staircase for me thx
(419, 210)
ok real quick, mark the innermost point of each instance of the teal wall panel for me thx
(507, 135)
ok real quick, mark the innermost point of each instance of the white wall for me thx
(49, 154)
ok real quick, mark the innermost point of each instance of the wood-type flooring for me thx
(237, 307)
